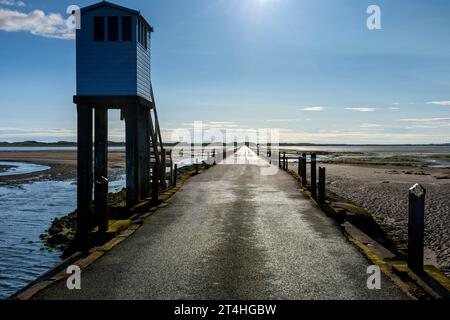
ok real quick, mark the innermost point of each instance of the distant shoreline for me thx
(122, 144)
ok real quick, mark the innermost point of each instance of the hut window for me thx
(99, 28)
(113, 28)
(126, 28)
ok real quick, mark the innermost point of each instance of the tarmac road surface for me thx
(232, 232)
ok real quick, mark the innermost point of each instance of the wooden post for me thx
(196, 166)
(322, 180)
(314, 176)
(144, 151)
(300, 162)
(171, 168)
(163, 173)
(304, 162)
(214, 156)
(235, 147)
(279, 159)
(132, 158)
(101, 168)
(84, 175)
(416, 226)
(175, 172)
(155, 183)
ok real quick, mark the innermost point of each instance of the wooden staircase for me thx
(159, 156)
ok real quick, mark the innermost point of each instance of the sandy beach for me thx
(383, 191)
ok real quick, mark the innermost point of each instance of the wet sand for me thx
(383, 191)
(63, 165)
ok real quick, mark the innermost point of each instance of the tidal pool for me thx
(26, 211)
(16, 168)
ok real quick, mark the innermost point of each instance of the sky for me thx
(311, 69)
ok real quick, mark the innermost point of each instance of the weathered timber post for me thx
(416, 225)
(163, 174)
(101, 169)
(84, 173)
(224, 152)
(304, 161)
(284, 161)
(132, 156)
(155, 183)
(322, 180)
(175, 172)
(257, 150)
(235, 147)
(214, 156)
(144, 151)
(171, 168)
(192, 150)
(279, 159)
(314, 176)
(196, 166)
(299, 170)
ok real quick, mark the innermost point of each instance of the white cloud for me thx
(361, 137)
(396, 103)
(283, 120)
(313, 109)
(425, 120)
(35, 133)
(393, 108)
(219, 125)
(37, 22)
(440, 103)
(365, 109)
(429, 123)
(13, 3)
(371, 125)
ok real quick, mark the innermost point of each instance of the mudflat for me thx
(63, 164)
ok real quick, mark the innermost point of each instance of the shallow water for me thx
(21, 168)
(12, 149)
(25, 216)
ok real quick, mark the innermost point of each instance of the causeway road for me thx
(237, 231)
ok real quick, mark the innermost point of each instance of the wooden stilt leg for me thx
(132, 159)
(101, 168)
(144, 151)
(84, 172)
